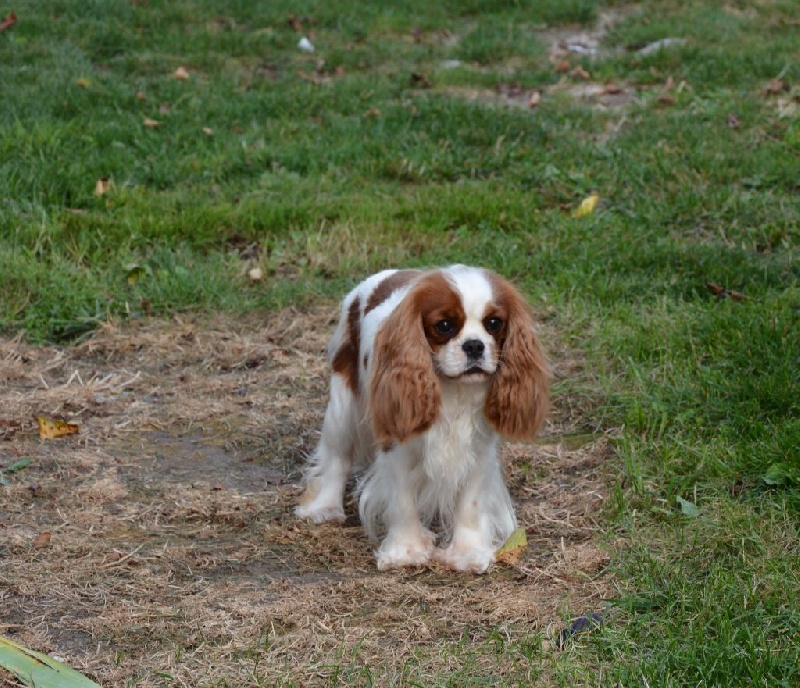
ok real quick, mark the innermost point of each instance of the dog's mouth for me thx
(474, 370)
(474, 373)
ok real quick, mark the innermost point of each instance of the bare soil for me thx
(158, 546)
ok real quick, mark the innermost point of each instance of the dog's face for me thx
(465, 325)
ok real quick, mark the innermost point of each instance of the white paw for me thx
(475, 560)
(398, 552)
(319, 513)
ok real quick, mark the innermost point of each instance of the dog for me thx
(430, 369)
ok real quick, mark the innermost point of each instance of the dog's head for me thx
(469, 326)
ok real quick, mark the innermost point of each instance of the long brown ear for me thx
(518, 398)
(405, 395)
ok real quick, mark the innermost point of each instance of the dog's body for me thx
(429, 369)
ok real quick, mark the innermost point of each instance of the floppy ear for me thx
(518, 398)
(404, 389)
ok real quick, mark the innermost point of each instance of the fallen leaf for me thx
(255, 274)
(141, 95)
(687, 508)
(151, 123)
(580, 73)
(83, 82)
(217, 485)
(163, 109)
(775, 87)
(134, 272)
(41, 540)
(305, 45)
(717, 290)
(208, 131)
(533, 100)
(51, 429)
(419, 80)
(102, 186)
(17, 465)
(733, 121)
(295, 23)
(5, 471)
(667, 99)
(38, 669)
(511, 550)
(181, 73)
(587, 205)
(8, 22)
(563, 66)
(372, 112)
(612, 90)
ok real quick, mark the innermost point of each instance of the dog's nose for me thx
(474, 348)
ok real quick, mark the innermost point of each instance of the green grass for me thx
(331, 181)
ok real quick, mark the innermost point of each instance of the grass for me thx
(320, 168)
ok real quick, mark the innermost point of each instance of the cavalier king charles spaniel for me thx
(430, 368)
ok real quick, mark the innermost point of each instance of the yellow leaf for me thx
(587, 205)
(83, 82)
(50, 429)
(101, 186)
(511, 550)
(151, 123)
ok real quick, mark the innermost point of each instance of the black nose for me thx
(474, 348)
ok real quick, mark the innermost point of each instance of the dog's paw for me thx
(320, 513)
(401, 552)
(476, 560)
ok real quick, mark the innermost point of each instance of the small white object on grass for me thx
(660, 45)
(305, 45)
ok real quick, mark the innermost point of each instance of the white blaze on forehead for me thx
(475, 290)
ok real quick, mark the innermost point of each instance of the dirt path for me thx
(173, 557)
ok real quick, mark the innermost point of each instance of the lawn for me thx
(186, 192)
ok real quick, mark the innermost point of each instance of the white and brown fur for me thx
(430, 368)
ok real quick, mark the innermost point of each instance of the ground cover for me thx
(186, 193)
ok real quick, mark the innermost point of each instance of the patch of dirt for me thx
(567, 47)
(174, 557)
(565, 41)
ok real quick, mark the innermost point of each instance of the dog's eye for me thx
(445, 327)
(493, 324)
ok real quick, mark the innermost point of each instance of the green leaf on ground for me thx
(39, 670)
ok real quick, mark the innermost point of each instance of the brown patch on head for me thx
(345, 362)
(437, 300)
(518, 398)
(497, 311)
(388, 286)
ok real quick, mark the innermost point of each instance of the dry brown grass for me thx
(174, 558)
